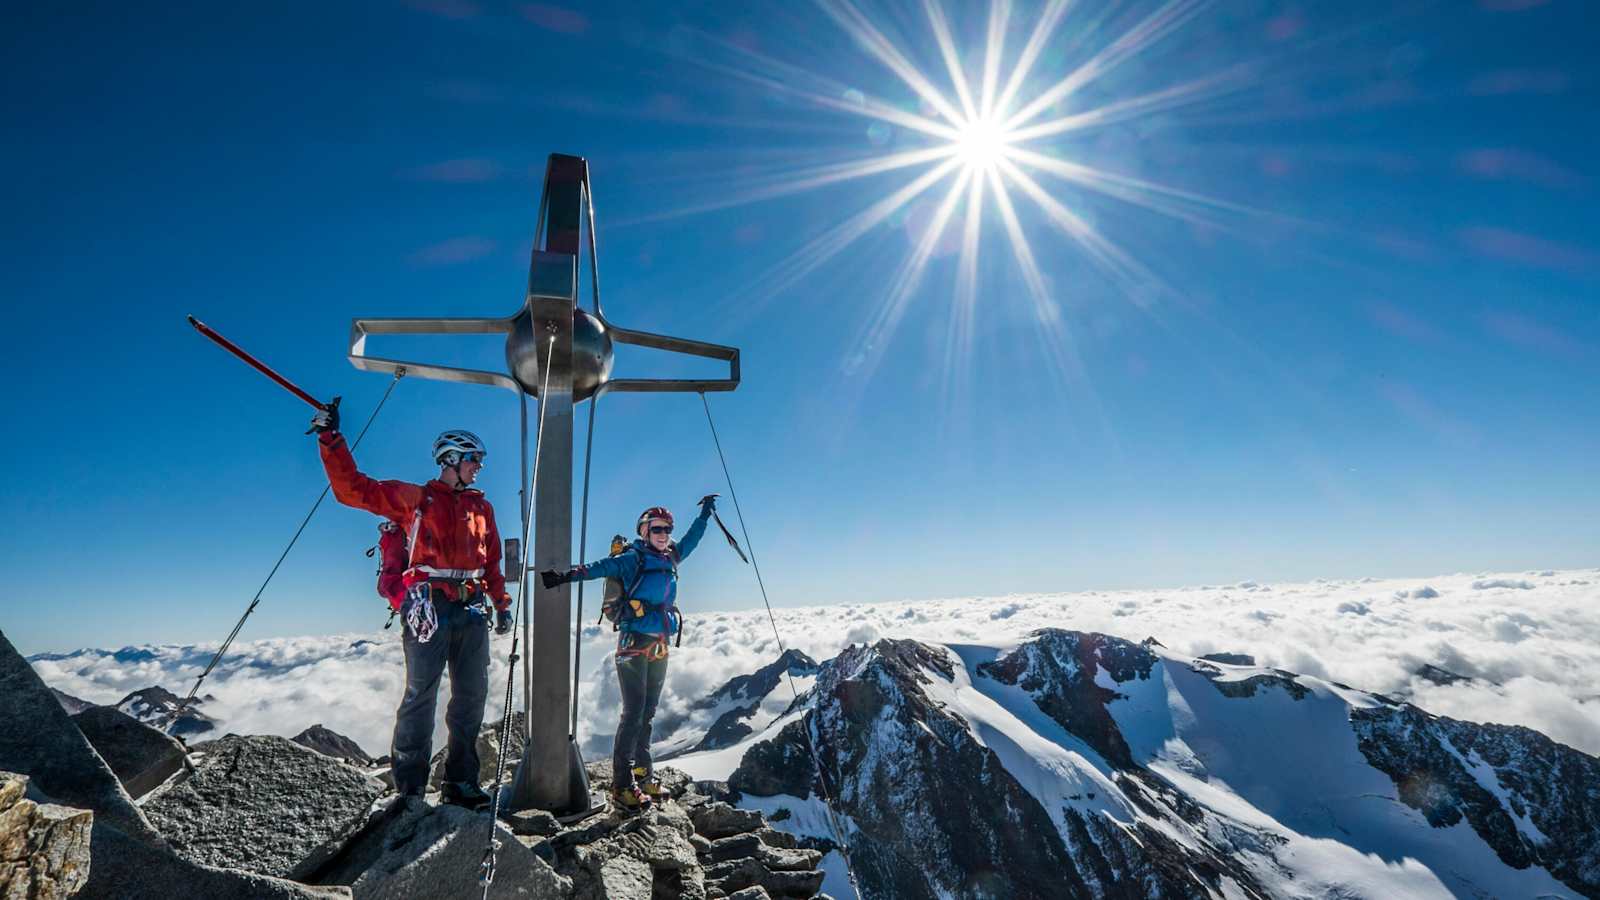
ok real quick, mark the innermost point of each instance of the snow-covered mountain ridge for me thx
(1083, 765)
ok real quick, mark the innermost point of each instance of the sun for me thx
(981, 143)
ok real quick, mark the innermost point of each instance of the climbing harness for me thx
(183, 704)
(490, 853)
(816, 761)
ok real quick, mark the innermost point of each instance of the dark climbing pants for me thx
(641, 680)
(461, 645)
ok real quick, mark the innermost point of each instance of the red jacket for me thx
(455, 530)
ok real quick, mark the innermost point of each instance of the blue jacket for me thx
(659, 586)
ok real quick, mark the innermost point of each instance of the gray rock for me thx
(780, 839)
(793, 884)
(756, 892)
(488, 753)
(264, 804)
(126, 869)
(416, 850)
(625, 878)
(719, 820)
(735, 875)
(44, 848)
(736, 847)
(533, 822)
(780, 860)
(332, 743)
(39, 740)
(143, 757)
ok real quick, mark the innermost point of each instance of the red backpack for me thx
(393, 559)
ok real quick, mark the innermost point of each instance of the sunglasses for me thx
(472, 458)
(660, 529)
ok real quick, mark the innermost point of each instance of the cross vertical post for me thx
(545, 779)
(550, 336)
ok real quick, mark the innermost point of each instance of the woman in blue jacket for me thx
(647, 617)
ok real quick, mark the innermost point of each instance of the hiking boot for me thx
(630, 799)
(649, 784)
(463, 793)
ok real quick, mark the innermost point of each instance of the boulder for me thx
(719, 820)
(751, 893)
(416, 850)
(125, 869)
(488, 753)
(331, 743)
(143, 757)
(625, 878)
(44, 848)
(264, 804)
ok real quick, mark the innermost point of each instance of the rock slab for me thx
(142, 757)
(417, 850)
(264, 804)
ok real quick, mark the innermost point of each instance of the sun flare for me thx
(982, 143)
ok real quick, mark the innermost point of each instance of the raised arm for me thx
(697, 530)
(390, 499)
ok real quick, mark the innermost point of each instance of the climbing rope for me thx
(816, 761)
(490, 858)
(178, 711)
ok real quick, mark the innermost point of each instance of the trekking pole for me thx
(260, 366)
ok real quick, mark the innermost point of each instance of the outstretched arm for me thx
(390, 499)
(624, 566)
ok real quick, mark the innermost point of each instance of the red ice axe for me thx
(258, 365)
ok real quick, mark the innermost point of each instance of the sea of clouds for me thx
(1529, 642)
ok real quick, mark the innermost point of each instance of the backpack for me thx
(393, 552)
(619, 600)
(392, 555)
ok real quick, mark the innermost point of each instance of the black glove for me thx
(326, 418)
(551, 578)
(502, 621)
(708, 504)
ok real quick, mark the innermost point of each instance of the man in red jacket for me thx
(452, 575)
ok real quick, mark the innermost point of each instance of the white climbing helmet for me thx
(450, 445)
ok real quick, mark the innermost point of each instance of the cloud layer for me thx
(1529, 642)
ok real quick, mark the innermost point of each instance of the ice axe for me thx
(260, 366)
(725, 532)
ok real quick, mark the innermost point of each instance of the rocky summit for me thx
(265, 817)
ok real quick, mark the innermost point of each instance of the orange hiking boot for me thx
(630, 799)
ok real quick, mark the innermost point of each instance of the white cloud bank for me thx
(1530, 642)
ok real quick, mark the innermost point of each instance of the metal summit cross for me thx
(551, 774)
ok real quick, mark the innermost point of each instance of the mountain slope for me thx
(1124, 770)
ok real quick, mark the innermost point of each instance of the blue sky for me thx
(1370, 351)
